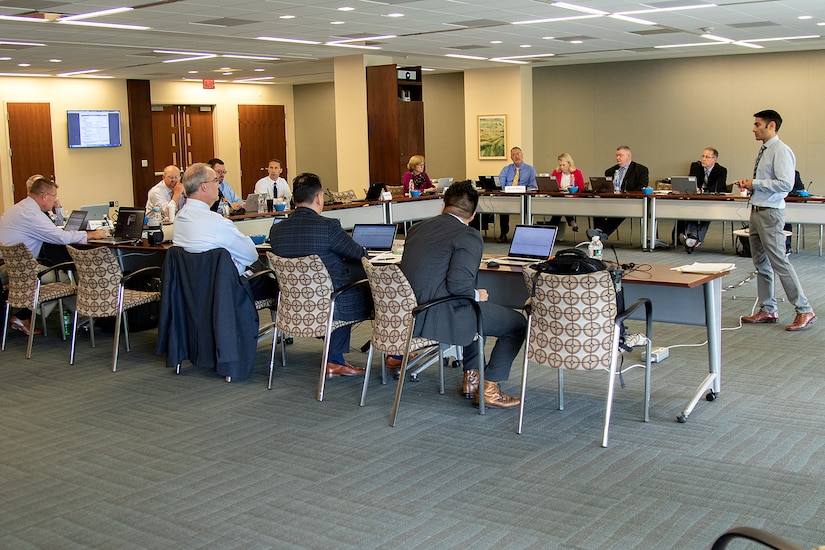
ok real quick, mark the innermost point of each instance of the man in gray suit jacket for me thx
(441, 258)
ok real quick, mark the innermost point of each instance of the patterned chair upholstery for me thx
(397, 191)
(27, 290)
(392, 331)
(101, 292)
(344, 197)
(306, 305)
(573, 324)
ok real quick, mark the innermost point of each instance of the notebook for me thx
(531, 243)
(683, 185)
(601, 184)
(128, 229)
(95, 213)
(547, 183)
(76, 220)
(251, 204)
(375, 238)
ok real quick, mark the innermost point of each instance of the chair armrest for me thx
(65, 266)
(633, 307)
(140, 271)
(754, 534)
(261, 273)
(438, 301)
(347, 287)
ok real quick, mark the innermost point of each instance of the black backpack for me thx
(574, 261)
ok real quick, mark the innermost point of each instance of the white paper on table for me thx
(698, 267)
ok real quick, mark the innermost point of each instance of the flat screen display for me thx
(94, 128)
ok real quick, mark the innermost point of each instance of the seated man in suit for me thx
(198, 228)
(225, 192)
(627, 176)
(307, 232)
(441, 258)
(710, 178)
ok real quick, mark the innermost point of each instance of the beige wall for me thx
(315, 143)
(505, 91)
(444, 125)
(80, 173)
(351, 129)
(226, 98)
(668, 111)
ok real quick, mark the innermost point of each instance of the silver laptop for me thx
(530, 244)
(129, 227)
(76, 221)
(375, 238)
(443, 184)
(95, 214)
(251, 204)
(683, 185)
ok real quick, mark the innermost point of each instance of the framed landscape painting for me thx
(492, 132)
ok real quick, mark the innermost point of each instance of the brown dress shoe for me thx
(494, 397)
(761, 316)
(334, 370)
(469, 388)
(23, 326)
(802, 321)
(394, 363)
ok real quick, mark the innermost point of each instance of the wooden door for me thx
(30, 140)
(181, 135)
(262, 131)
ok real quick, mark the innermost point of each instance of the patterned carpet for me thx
(147, 459)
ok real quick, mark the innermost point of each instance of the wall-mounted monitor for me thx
(94, 128)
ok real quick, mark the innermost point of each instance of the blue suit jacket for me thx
(304, 233)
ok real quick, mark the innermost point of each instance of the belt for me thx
(761, 208)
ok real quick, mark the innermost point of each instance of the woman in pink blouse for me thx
(567, 175)
(416, 178)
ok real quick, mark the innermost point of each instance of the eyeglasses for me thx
(708, 157)
(50, 194)
(213, 180)
(221, 172)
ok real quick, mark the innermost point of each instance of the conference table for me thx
(679, 298)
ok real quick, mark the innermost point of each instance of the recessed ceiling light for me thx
(495, 42)
(290, 40)
(24, 64)
(346, 8)
(192, 72)
(287, 17)
(395, 15)
(577, 41)
(821, 24)
(336, 22)
(525, 46)
(55, 60)
(461, 56)
(5, 58)
(91, 14)
(259, 70)
(73, 73)
(548, 37)
(227, 73)
(805, 17)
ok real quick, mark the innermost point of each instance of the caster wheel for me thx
(711, 396)
(456, 364)
(414, 378)
(289, 340)
(681, 419)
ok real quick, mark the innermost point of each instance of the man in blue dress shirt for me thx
(517, 173)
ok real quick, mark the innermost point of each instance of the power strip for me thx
(657, 355)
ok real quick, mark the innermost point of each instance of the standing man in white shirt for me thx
(273, 185)
(225, 191)
(167, 194)
(198, 229)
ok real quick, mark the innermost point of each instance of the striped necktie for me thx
(758, 158)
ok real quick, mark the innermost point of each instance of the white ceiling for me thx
(427, 32)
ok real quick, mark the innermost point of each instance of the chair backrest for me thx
(22, 269)
(305, 294)
(394, 300)
(396, 190)
(98, 281)
(573, 319)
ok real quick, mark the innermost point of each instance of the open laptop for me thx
(376, 238)
(683, 185)
(443, 184)
(601, 184)
(251, 204)
(547, 184)
(373, 192)
(530, 244)
(76, 220)
(489, 183)
(95, 214)
(128, 229)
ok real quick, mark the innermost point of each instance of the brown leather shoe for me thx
(334, 370)
(761, 316)
(469, 388)
(494, 397)
(24, 326)
(802, 321)
(394, 364)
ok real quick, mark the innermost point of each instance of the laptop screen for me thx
(533, 241)
(374, 236)
(374, 191)
(601, 184)
(685, 185)
(96, 212)
(129, 223)
(75, 221)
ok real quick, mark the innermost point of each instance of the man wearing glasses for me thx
(26, 223)
(225, 191)
(167, 194)
(710, 178)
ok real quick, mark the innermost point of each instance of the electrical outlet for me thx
(113, 204)
(657, 355)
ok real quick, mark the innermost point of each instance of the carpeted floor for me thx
(143, 458)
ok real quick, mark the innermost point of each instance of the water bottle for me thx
(261, 203)
(154, 218)
(66, 323)
(594, 249)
